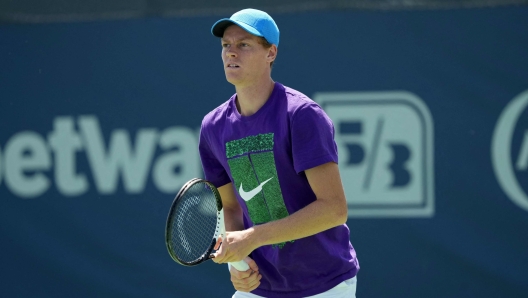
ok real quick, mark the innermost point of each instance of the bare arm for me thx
(328, 211)
(232, 210)
(242, 281)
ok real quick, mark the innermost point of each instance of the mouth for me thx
(232, 65)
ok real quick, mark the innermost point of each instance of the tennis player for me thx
(270, 150)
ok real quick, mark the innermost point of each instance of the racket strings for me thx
(194, 223)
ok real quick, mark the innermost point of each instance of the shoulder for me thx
(217, 116)
(300, 105)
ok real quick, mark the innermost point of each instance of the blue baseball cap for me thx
(254, 21)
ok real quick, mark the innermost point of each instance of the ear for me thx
(272, 53)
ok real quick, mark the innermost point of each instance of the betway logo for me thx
(28, 155)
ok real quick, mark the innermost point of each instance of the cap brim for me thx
(220, 26)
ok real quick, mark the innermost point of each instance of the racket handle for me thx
(240, 265)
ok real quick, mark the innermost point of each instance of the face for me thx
(245, 59)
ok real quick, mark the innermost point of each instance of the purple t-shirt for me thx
(264, 155)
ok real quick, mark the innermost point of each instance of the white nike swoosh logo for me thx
(250, 194)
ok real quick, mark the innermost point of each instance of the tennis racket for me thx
(195, 221)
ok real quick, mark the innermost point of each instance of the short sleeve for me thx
(212, 167)
(312, 134)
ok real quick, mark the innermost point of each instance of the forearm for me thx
(327, 211)
(318, 216)
(232, 210)
(233, 219)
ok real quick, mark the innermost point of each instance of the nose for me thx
(230, 52)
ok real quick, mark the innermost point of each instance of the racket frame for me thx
(219, 230)
(204, 257)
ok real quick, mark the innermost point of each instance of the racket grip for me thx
(240, 265)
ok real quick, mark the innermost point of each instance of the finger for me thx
(251, 263)
(239, 274)
(253, 276)
(218, 257)
(245, 283)
(216, 260)
(247, 288)
(242, 277)
(248, 284)
(255, 284)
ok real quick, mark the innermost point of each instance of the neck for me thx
(251, 98)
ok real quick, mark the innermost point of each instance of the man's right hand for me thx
(246, 281)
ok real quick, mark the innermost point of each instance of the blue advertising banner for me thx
(99, 127)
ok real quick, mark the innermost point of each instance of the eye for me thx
(225, 45)
(244, 45)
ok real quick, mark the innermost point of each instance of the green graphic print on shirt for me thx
(252, 166)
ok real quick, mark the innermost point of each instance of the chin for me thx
(232, 80)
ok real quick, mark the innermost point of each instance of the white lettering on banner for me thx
(27, 156)
(186, 142)
(385, 143)
(65, 142)
(501, 150)
(119, 158)
(522, 160)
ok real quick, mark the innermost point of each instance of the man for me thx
(270, 150)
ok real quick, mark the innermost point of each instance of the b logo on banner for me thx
(501, 151)
(385, 143)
